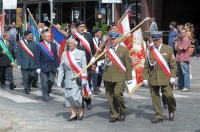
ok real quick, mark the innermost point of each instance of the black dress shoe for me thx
(72, 119)
(12, 86)
(46, 100)
(123, 117)
(113, 119)
(80, 117)
(35, 86)
(89, 106)
(156, 120)
(171, 116)
(27, 92)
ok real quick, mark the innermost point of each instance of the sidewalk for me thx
(5, 125)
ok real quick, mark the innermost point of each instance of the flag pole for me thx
(34, 21)
(103, 43)
(46, 19)
(120, 40)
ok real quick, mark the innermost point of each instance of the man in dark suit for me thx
(80, 26)
(26, 49)
(46, 64)
(6, 60)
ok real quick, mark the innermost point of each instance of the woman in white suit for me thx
(73, 59)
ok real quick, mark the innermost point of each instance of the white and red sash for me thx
(115, 59)
(95, 44)
(26, 49)
(84, 42)
(74, 65)
(161, 61)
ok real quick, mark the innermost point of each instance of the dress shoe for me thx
(112, 119)
(46, 100)
(72, 119)
(171, 116)
(27, 92)
(35, 86)
(156, 120)
(123, 117)
(165, 106)
(12, 86)
(89, 106)
(80, 117)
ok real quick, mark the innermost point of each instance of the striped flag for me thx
(58, 38)
(2, 23)
(124, 26)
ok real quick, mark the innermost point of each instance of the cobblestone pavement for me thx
(28, 113)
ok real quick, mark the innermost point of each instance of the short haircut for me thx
(72, 39)
(173, 23)
(5, 33)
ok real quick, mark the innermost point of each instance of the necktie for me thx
(99, 42)
(113, 48)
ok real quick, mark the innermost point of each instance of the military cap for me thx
(96, 30)
(114, 34)
(113, 24)
(27, 32)
(79, 23)
(156, 36)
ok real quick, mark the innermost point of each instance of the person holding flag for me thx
(160, 72)
(46, 64)
(86, 44)
(7, 60)
(118, 69)
(72, 61)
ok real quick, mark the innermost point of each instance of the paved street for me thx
(27, 113)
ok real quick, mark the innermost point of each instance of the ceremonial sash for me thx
(74, 65)
(7, 52)
(46, 50)
(95, 44)
(84, 42)
(161, 61)
(26, 49)
(115, 59)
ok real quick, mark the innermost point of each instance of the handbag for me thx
(79, 81)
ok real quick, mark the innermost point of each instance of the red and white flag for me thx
(124, 26)
(2, 23)
(135, 45)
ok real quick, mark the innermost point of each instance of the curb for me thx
(5, 125)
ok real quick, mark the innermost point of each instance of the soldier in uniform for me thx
(157, 77)
(26, 49)
(115, 78)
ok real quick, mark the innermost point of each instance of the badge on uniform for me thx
(164, 54)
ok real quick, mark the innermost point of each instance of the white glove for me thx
(172, 80)
(38, 71)
(129, 81)
(92, 60)
(19, 67)
(145, 82)
(58, 84)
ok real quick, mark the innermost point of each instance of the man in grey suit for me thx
(26, 49)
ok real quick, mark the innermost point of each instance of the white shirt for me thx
(48, 44)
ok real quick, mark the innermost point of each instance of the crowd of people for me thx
(164, 62)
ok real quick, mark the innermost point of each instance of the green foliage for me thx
(104, 28)
(63, 25)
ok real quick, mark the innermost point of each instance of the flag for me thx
(124, 26)
(2, 23)
(34, 29)
(135, 45)
(25, 22)
(58, 38)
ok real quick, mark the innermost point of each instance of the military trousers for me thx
(155, 96)
(114, 91)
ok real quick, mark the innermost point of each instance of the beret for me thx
(79, 23)
(96, 30)
(114, 34)
(156, 36)
(27, 32)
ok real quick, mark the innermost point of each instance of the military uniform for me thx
(115, 81)
(157, 79)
